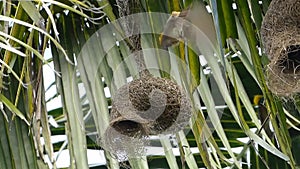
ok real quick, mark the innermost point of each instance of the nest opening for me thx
(128, 127)
(291, 64)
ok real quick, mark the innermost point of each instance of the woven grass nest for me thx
(146, 106)
(280, 34)
(149, 106)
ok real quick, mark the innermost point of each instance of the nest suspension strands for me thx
(281, 40)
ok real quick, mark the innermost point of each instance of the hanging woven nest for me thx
(146, 106)
(280, 34)
(150, 105)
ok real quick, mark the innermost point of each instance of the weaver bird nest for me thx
(146, 106)
(150, 105)
(281, 40)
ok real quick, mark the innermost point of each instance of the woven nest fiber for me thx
(281, 40)
(150, 105)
